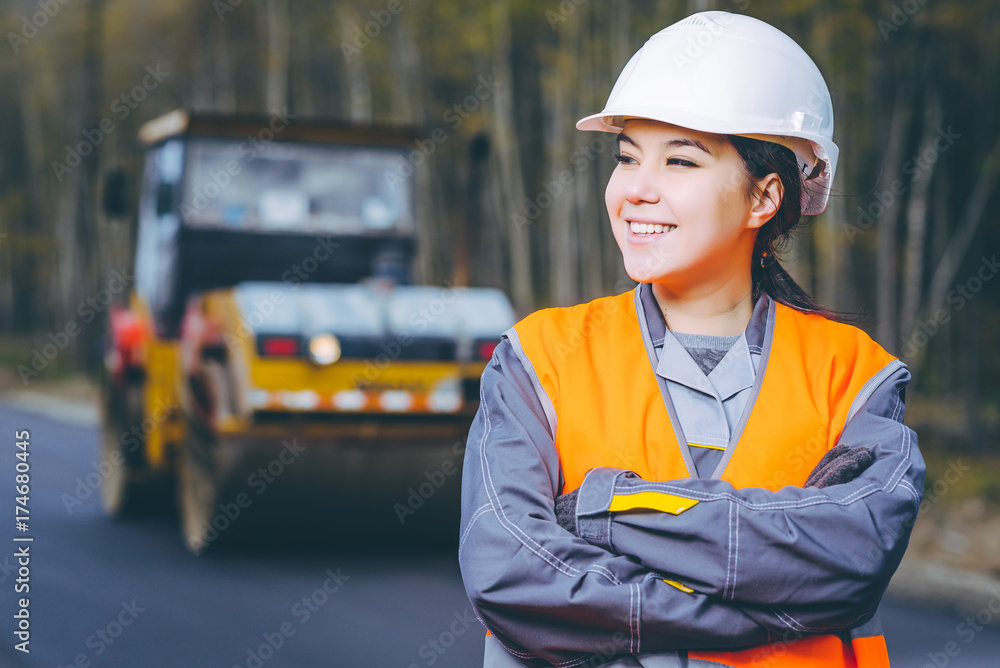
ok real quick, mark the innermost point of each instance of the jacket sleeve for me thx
(814, 558)
(547, 595)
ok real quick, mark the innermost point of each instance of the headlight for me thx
(350, 400)
(303, 400)
(324, 349)
(446, 397)
(396, 401)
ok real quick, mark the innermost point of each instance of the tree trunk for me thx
(467, 238)
(31, 298)
(278, 45)
(972, 361)
(307, 84)
(563, 232)
(946, 358)
(358, 83)
(602, 265)
(509, 155)
(886, 292)
(829, 238)
(968, 224)
(224, 88)
(85, 240)
(916, 222)
(496, 231)
(620, 38)
(407, 91)
(203, 66)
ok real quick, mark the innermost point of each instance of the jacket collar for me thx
(734, 373)
(658, 327)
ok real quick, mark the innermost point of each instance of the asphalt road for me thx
(335, 581)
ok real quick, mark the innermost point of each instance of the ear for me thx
(766, 200)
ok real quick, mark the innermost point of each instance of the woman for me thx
(705, 471)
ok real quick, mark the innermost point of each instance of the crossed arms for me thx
(759, 565)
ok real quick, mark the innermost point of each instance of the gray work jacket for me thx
(770, 565)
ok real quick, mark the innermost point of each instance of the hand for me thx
(566, 511)
(841, 464)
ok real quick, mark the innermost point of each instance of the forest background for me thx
(910, 238)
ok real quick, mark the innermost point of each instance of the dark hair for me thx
(761, 158)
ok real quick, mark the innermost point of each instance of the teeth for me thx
(649, 228)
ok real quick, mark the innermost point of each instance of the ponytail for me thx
(761, 158)
(776, 283)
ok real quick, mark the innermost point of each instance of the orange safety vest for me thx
(592, 363)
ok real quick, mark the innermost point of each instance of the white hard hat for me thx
(731, 74)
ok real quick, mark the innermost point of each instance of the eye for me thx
(623, 159)
(683, 162)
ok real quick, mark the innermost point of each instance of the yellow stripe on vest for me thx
(665, 503)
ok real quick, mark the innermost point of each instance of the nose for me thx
(641, 186)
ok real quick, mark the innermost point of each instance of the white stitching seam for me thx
(638, 619)
(788, 621)
(611, 490)
(482, 463)
(871, 385)
(815, 629)
(536, 383)
(527, 541)
(905, 484)
(775, 505)
(512, 528)
(779, 505)
(485, 508)
(601, 570)
(729, 560)
(569, 663)
(631, 633)
(611, 495)
(736, 558)
(906, 446)
(522, 655)
(796, 624)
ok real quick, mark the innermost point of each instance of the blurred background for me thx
(909, 241)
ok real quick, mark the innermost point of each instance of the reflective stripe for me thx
(869, 389)
(543, 398)
(667, 503)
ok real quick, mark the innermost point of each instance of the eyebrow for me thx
(682, 141)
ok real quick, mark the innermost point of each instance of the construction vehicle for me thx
(273, 308)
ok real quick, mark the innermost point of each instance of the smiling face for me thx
(680, 210)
